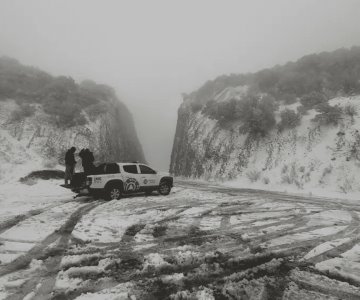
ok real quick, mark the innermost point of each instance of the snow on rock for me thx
(210, 223)
(353, 254)
(74, 260)
(73, 277)
(304, 236)
(243, 218)
(345, 268)
(329, 217)
(153, 261)
(173, 278)
(187, 258)
(324, 247)
(123, 291)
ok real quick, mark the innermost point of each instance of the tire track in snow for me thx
(6, 225)
(51, 257)
(254, 267)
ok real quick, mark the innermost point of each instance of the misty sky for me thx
(153, 50)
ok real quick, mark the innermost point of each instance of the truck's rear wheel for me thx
(164, 188)
(113, 192)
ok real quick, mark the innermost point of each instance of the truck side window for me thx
(130, 169)
(146, 170)
(112, 169)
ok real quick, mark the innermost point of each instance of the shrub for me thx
(257, 115)
(23, 111)
(346, 185)
(210, 109)
(266, 180)
(328, 115)
(291, 176)
(255, 112)
(289, 119)
(65, 114)
(96, 110)
(289, 98)
(253, 175)
(350, 110)
(326, 171)
(312, 100)
(302, 110)
(222, 111)
(195, 106)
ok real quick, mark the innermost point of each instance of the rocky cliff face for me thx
(32, 135)
(322, 150)
(309, 155)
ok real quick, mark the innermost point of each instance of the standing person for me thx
(82, 155)
(91, 160)
(87, 160)
(70, 163)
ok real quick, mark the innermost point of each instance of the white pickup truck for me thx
(116, 179)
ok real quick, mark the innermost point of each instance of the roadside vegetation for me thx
(311, 82)
(61, 97)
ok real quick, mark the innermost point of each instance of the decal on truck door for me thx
(131, 185)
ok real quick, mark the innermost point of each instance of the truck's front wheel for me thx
(113, 192)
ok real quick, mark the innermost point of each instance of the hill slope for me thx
(295, 124)
(41, 116)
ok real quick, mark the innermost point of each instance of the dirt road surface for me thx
(200, 242)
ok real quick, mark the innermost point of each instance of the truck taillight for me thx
(88, 181)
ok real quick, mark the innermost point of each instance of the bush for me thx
(289, 119)
(195, 106)
(350, 110)
(222, 111)
(257, 115)
(253, 175)
(266, 180)
(289, 98)
(65, 114)
(96, 110)
(312, 100)
(291, 176)
(328, 115)
(326, 171)
(333, 73)
(255, 112)
(23, 111)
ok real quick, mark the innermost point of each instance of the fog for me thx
(152, 51)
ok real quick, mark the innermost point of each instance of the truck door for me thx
(132, 178)
(148, 177)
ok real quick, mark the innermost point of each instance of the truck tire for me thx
(164, 188)
(113, 192)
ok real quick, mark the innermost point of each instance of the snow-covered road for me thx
(200, 242)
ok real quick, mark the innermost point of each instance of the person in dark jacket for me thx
(70, 163)
(87, 159)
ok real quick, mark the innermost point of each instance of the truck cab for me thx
(115, 179)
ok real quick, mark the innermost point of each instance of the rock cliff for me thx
(309, 141)
(39, 123)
